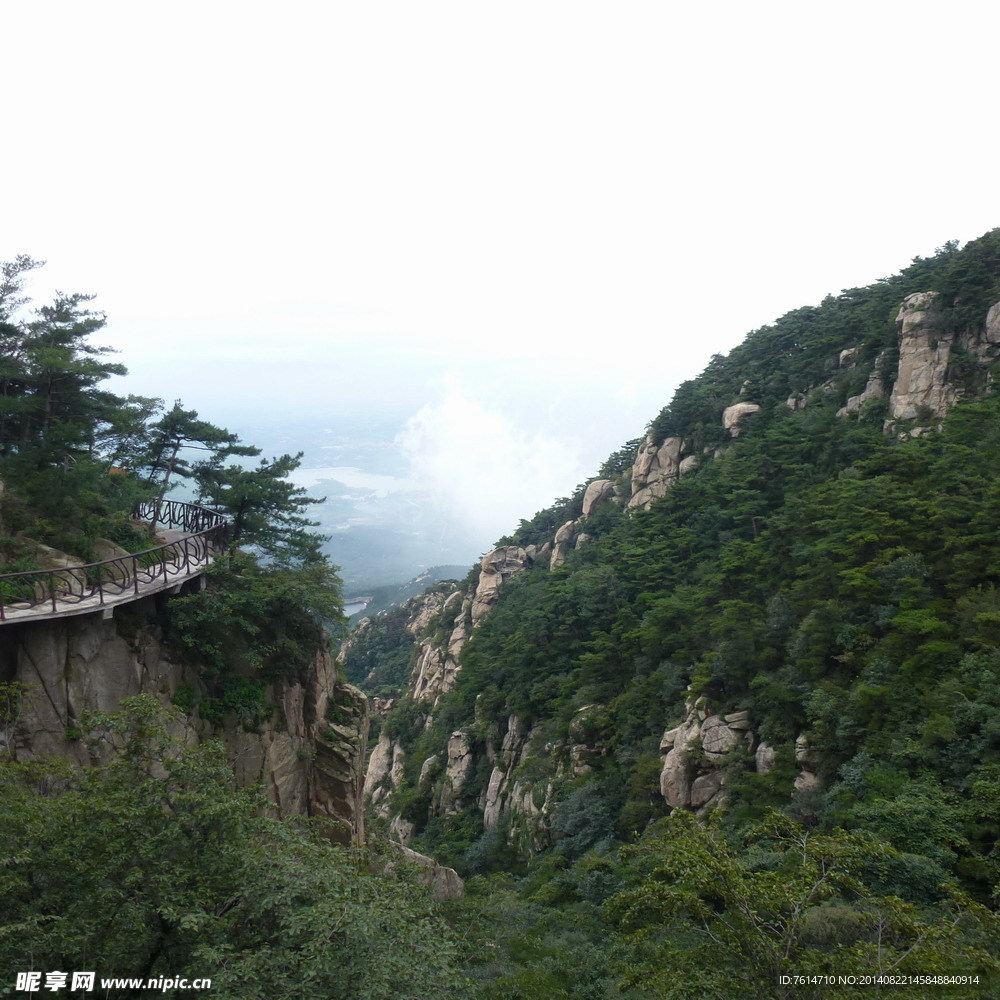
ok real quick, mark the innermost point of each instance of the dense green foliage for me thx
(154, 865)
(692, 912)
(701, 917)
(256, 623)
(380, 657)
(834, 581)
(58, 425)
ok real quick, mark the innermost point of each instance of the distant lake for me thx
(355, 607)
(349, 476)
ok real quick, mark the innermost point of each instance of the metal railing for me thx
(110, 580)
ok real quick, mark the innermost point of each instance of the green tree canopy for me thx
(178, 431)
(264, 507)
(153, 864)
(51, 406)
(706, 920)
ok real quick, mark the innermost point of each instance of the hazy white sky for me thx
(541, 216)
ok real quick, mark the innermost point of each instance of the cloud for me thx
(486, 468)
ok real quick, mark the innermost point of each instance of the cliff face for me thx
(925, 386)
(442, 623)
(305, 763)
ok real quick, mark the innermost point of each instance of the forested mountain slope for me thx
(782, 602)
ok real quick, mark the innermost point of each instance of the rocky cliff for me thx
(308, 756)
(442, 622)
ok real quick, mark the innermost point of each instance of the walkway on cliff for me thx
(191, 537)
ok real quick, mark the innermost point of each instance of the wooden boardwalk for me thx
(181, 555)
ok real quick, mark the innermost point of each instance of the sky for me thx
(515, 226)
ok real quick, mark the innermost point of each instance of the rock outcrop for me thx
(563, 541)
(525, 805)
(733, 417)
(444, 883)
(655, 470)
(503, 769)
(808, 761)
(928, 347)
(764, 758)
(337, 777)
(921, 386)
(693, 752)
(434, 674)
(993, 324)
(304, 763)
(384, 772)
(571, 534)
(496, 568)
(437, 663)
(658, 466)
(459, 768)
(874, 389)
(598, 491)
